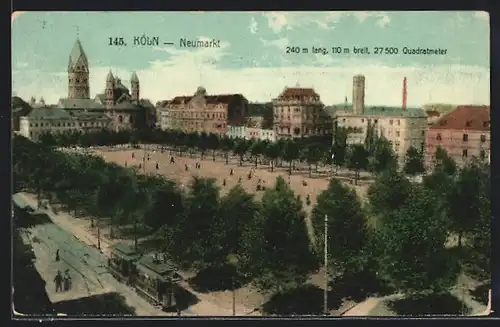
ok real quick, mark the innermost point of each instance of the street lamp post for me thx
(325, 294)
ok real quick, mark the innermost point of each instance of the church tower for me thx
(78, 73)
(110, 90)
(134, 90)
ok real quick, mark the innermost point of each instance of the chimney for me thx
(404, 94)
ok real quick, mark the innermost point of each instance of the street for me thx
(87, 268)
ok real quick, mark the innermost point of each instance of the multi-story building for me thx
(267, 135)
(202, 112)
(42, 120)
(403, 127)
(124, 107)
(463, 132)
(236, 132)
(252, 133)
(299, 112)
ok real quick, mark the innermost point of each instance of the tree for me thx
(313, 156)
(240, 148)
(275, 249)
(443, 162)
(272, 152)
(290, 153)
(167, 205)
(339, 146)
(382, 156)
(479, 239)
(347, 234)
(237, 209)
(465, 199)
(415, 260)
(357, 159)
(199, 233)
(256, 150)
(414, 162)
(388, 193)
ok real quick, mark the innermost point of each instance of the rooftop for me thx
(160, 268)
(466, 117)
(298, 92)
(126, 251)
(49, 113)
(386, 111)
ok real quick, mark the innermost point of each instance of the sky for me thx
(252, 58)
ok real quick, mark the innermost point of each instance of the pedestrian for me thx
(239, 180)
(67, 280)
(157, 167)
(231, 172)
(133, 155)
(186, 168)
(57, 255)
(125, 164)
(140, 166)
(224, 182)
(58, 281)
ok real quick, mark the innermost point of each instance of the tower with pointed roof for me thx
(134, 87)
(78, 73)
(110, 88)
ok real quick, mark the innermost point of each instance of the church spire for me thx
(78, 72)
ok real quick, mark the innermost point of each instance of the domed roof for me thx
(201, 90)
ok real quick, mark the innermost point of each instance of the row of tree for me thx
(406, 247)
(375, 155)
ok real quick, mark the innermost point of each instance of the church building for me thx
(124, 107)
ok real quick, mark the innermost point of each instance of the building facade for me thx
(404, 128)
(463, 132)
(267, 135)
(299, 112)
(235, 132)
(124, 107)
(44, 120)
(203, 113)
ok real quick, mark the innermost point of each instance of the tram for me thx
(152, 275)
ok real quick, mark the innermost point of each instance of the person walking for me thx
(57, 255)
(58, 281)
(67, 280)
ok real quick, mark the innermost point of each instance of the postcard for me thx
(257, 164)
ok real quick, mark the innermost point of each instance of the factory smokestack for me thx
(404, 93)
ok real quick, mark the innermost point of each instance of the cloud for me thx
(253, 26)
(383, 21)
(280, 43)
(278, 21)
(187, 69)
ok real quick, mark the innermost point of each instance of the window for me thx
(376, 121)
(399, 122)
(423, 133)
(482, 154)
(391, 122)
(483, 138)
(438, 137)
(362, 120)
(464, 153)
(465, 137)
(396, 147)
(397, 133)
